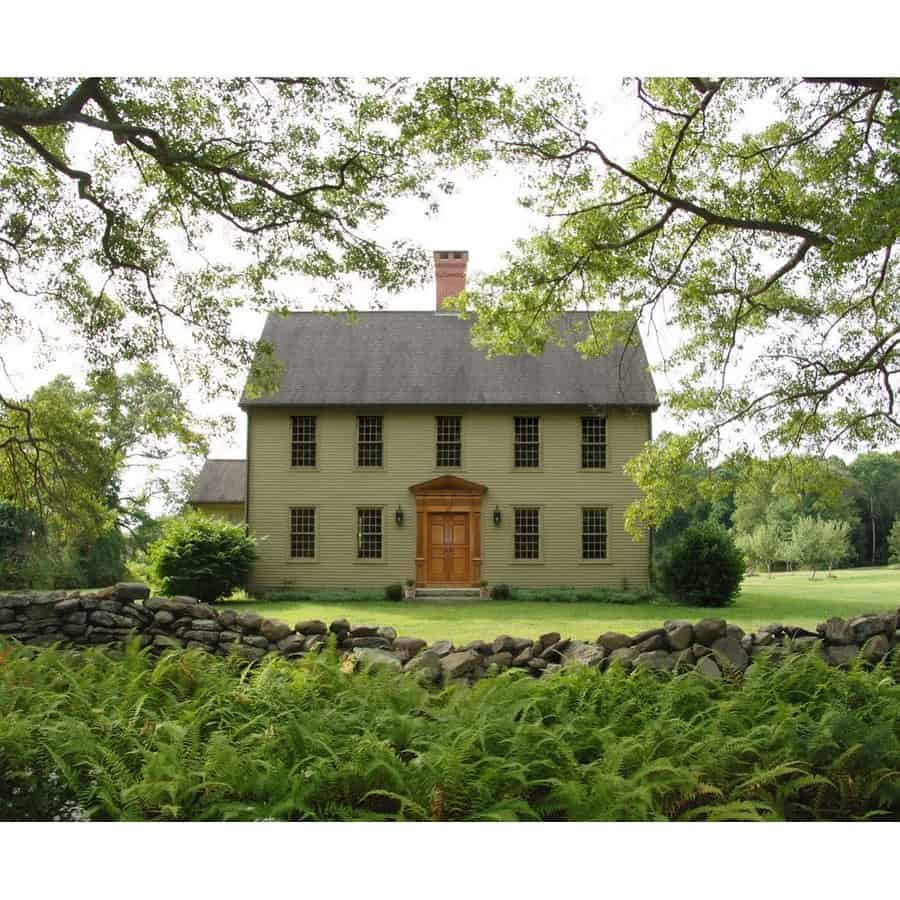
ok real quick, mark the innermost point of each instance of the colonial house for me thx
(393, 449)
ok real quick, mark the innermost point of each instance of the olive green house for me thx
(394, 450)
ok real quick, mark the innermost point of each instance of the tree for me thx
(878, 485)
(116, 193)
(816, 542)
(762, 545)
(836, 542)
(772, 251)
(894, 542)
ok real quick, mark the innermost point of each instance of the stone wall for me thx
(714, 647)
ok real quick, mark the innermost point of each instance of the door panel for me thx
(448, 549)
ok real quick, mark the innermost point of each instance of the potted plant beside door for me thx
(410, 591)
(485, 593)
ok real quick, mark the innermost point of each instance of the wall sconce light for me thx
(498, 517)
(398, 516)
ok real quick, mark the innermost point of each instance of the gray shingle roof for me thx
(221, 481)
(412, 358)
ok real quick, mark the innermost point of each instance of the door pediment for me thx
(448, 484)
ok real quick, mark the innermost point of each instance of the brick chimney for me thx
(449, 274)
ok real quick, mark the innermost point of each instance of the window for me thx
(303, 532)
(303, 440)
(449, 441)
(368, 534)
(527, 442)
(369, 443)
(527, 534)
(593, 442)
(593, 533)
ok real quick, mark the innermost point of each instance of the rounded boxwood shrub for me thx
(393, 592)
(704, 567)
(501, 592)
(202, 556)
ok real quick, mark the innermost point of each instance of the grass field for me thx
(788, 598)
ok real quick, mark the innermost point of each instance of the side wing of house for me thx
(220, 489)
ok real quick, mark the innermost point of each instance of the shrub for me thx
(202, 556)
(704, 567)
(393, 592)
(894, 541)
(501, 592)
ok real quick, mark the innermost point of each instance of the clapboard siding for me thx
(231, 512)
(336, 487)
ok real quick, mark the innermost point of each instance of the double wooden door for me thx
(449, 548)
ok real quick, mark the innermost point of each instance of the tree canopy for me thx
(768, 249)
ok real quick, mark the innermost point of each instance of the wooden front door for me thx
(449, 552)
(448, 532)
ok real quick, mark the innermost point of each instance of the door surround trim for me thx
(448, 493)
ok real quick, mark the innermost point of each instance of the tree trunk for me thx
(872, 514)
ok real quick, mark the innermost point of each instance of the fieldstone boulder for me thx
(249, 620)
(368, 641)
(730, 653)
(554, 653)
(313, 642)
(407, 647)
(871, 624)
(163, 617)
(373, 658)
(70, 604)
(441, 648)
(876, 648)
(130, 591)
(624, 655)
(502, 660)
(426, 667)
(386, 631)
(614, 640)
(580, 653)
(536, 663)
(549, 639)
(680, 635)
(708, 631)
(273, 630)
(660, 660)
(655, 640)
(481, 647)
(292, 645)
(255, 640)
(520, 644)
(364, 631)
(339, 627)
(734, 631)
(313, 626)
(455, 665)
(227, 618)
(205, 625)
(201, 637)
(503, 643)
(836, 631)
(644, 636)
(524, 657)
(228, 637)
(247, 652)
(707, 667)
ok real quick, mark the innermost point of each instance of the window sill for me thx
(594, 562)
(300, 561)
(369, 562)
(528, 562)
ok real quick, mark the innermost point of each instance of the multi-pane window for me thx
(527, 442)
(593, 533)
(527, 536)
(303, 532)
(303, 440)
(449, 441)
(368, 534)
(369, 441)
(593, 442)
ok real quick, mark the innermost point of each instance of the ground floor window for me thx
(593, 532)
(368, 533)
(527, 534)
(303, 532)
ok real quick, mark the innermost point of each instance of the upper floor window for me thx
(593, 442)
(527, 533)
(368, 533)
(303, 532)
(593, 533)
(449, 441)
(369, 440)
(303, 440)
(527, 442)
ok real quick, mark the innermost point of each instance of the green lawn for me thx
(791, 599)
